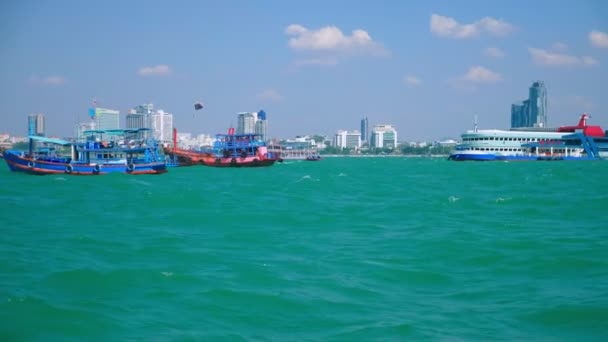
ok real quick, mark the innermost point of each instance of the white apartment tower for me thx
(162, 126)
(383, 136)
(346, 139)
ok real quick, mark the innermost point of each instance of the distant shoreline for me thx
(384, 156)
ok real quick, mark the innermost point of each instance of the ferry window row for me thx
(557, 150)
(502, 139)
(494, 149)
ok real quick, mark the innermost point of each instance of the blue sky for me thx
(427, 67)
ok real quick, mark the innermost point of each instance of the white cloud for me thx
(494, 52)
(559, 46)
(316, 61)
(448, 27)
(548, 58)
(598, 39)
(331, 38)
(479, 74)
(270, 95)
(412, 80)
(50, 80)
(589, 60)
(157, 70)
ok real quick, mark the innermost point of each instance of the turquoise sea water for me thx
(340, 249)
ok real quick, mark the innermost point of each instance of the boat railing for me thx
(238, 144)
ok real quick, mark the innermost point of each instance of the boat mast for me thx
(475, 124)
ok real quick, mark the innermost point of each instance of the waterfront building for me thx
(81, 127)
(187, 141)
(246, 122)
(261, 125)
(383, 136)
(252, 123)
(364, 130)
(140, 116)
(104, 118)
(162, 126)
(35, 124)
(533, 111)
(346, 139)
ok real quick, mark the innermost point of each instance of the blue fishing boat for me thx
(100, 152)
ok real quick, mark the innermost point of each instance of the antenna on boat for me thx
(475, 124)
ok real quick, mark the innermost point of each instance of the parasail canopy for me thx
(198, 105)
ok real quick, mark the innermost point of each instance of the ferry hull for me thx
(494, 157)
(237, 162)
(19, 163)
(488, 157)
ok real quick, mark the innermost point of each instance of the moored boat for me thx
(239, 150)
(101, 152)
(562, 143)
(182, 157)
(313, 157)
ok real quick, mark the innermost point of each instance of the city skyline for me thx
(426, 68)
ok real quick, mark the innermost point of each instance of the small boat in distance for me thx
(101, 152)
(313, 157)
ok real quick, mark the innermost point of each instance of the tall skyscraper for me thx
(140, 116)
(246, 122)
(383, 136)
(364, 129)
(538, 104)
(162, 126)
(105, 118)
(35, 124)
(261, 125)
(533, 111)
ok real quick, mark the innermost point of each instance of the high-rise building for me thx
(105, 118)
(364, 129)
(346, 139)
(162, 126)
(35, 124)
(140, 116)
(261, 125)
(538, 104)
(383, 136)
(82, 127)
(246, 122)
(533, 111)
(252, 123)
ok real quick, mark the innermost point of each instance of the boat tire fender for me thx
(30, 164)
(130, 167)
(69, 168)
(218, 160)
(233, 161)
(256, 161)
(96, 169)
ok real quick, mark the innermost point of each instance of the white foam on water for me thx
(141, 182)
(303, 178)
(167, 274)
(453, 199)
